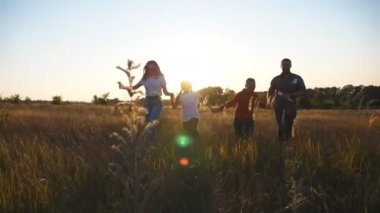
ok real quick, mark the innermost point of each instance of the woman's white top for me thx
(189, 103)
(153, 85)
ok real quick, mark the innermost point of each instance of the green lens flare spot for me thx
(183, 141)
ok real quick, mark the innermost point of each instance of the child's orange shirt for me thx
(242, 100)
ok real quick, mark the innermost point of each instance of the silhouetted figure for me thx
(189, 100)
(246, 101)
(154, 82)
(285, 88)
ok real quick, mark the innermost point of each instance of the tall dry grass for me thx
(85, 158)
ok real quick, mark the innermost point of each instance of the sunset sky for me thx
(71, 47)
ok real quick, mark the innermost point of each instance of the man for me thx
(285, 88)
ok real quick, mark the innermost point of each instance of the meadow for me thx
(90, 158)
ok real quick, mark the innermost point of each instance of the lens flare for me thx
(183, 141)
(184, 161)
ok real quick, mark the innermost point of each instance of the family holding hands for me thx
(284, 90)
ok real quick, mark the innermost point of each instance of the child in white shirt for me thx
(190, 114)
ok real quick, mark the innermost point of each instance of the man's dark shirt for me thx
(286, 83)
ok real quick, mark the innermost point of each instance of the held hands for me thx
(259, 104)
(215, 110)
(172, 100)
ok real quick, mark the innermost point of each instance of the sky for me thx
(70, 48)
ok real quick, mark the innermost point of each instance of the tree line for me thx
(347, 97)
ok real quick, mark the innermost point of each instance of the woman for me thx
(154, 82)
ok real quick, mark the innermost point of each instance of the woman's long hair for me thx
(151, 68)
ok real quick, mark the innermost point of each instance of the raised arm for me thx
(136, 86)
(166, 92)
(230, 103)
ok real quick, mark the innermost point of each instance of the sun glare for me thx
(197, 59)
(197, 78)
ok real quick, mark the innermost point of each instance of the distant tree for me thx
(262, 96)
(56, 100)
(227, 95)
(27, 100)
(304, 102)
(344, 100)
(101, 100)
(332, 93)
(14, 99)
(327, 104)
(113, 101)
(347, 97)
(348, 89)
(95, 99)
(357, 97)
(371, 96)
(323, 97)
(213, 94)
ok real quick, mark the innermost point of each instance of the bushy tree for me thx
(262, 96)
(372, 96)
(347, 97)
(56, 100)
(27, 100)
(213, 94)
(101, 100)
(327, 104)
(227, 95)
(95, 99)
(15, 99)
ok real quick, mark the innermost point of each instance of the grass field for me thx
(87, 158)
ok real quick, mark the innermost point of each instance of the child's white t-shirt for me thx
(153, 85)
(189, 103)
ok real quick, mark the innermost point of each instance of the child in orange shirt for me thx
(243, 120)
